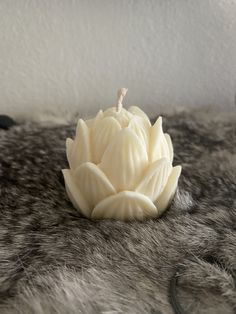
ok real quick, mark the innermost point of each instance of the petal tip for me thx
(69, 143)
(65, 171)
(159, 120)
(178, 170)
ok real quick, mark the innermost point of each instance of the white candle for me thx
(120, 165)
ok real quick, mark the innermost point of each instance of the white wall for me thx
(77, 53)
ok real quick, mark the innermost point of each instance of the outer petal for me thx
(81, 146)
(123, 116)
(155, 140)
(126, 205)
(155, 179)
(138, 112)
(167, 195)
(170, 146)
(69, 150)
(165, 152)
(141, 128)
(93, 184)
(102, 135)
(74, 194)
(158, 144)
(124, 160)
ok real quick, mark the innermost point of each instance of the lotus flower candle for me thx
(120, 165)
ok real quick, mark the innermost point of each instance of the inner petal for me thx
(141, 128)
(138, 112)
(91, 123)
(123, 116)
(102, 135)
(124, 160)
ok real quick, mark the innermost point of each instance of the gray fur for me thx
(54, 261)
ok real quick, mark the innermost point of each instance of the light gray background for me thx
(75, 54)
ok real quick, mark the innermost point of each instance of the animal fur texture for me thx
(52, 260)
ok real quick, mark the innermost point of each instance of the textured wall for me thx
(68, 53)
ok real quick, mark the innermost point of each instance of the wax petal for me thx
(159, 147)
(164, 200)
(170, 146)
(124, 160)
(165, 148)
(155, 179)
(110, 112)
(141, 128)
(76, 197)
(93, 183)
(92, 122)
(98, 118)
(126, 205)
(102, 135)
(69, 150)
(81, 146)
(156, 135)
(138, 112)
(123, 116)
(89, 123)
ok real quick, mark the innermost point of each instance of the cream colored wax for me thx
(120, 166)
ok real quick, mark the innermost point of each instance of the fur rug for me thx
(54, 261)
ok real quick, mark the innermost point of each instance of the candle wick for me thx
(120, 94)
